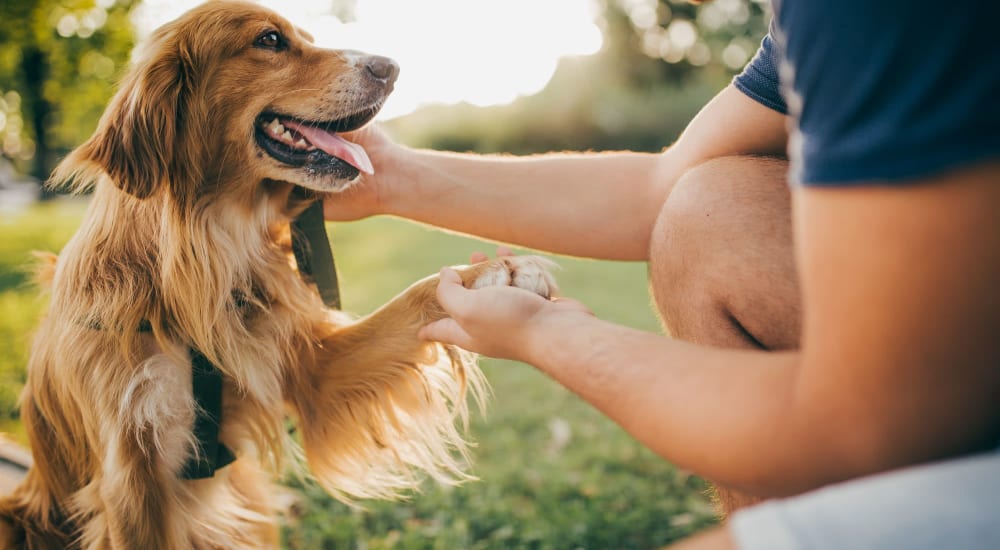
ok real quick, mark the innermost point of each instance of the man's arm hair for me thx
(898, 363)
(581, 204)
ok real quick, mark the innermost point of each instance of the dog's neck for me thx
(199, 276)
(205, 279)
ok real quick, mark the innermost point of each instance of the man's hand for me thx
(552, 202)
(499, 321)
(364, 198)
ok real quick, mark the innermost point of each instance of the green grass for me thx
(553, 472)
(43, 228)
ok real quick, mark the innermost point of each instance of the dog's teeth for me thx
(302, 143)
(287, 136)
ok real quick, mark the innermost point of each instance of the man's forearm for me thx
(582, 204)
(592, 205)
(727, 415)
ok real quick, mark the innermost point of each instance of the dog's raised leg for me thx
(375, 404)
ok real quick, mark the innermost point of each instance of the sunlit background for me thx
(475, 51)
(596, 65)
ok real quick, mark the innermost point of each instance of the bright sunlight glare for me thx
(483, 52)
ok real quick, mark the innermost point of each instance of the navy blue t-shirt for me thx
(881, 91)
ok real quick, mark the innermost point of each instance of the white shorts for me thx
(952, 505)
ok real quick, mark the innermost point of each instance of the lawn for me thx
(553, 473)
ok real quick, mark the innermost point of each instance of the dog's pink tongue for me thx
(334, 145)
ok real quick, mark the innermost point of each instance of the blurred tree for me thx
(344, 9)
(680, 39)
(661, 62)
(58, 63)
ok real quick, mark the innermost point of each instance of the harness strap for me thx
(313, 254)
(206, 385)
(211, 455)
(314, 257)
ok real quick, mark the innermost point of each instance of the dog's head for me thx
(230, 91)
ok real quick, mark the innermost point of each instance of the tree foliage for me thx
(661, 62)
(59, 60)
(671, 40)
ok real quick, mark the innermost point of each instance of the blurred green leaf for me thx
(661, 62)
(59, 61)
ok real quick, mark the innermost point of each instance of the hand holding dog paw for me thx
(496, 319)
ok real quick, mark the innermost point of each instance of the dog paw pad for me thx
(530, 273)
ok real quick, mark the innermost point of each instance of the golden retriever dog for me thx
(223, 131)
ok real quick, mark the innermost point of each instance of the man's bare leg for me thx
(722, 270)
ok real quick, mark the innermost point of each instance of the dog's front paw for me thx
(531, 273)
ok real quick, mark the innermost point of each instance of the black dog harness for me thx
(313, 254)
(314, 257)
(206, 383)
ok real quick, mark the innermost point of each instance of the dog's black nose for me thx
(383, 69)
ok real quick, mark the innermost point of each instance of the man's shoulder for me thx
(889, 91)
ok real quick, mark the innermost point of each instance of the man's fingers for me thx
(477, 257)
(450, 276)
(502, 251)
(446, 331)
(450, 292)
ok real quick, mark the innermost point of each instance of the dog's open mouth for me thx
(316, 146)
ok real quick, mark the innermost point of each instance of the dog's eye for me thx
(271, 40)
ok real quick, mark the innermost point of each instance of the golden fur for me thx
(188, 230)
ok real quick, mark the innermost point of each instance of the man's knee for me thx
(721, 239)
(708, 210)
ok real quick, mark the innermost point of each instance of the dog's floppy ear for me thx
(137, 140)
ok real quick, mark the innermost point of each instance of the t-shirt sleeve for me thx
(759, 79)
(889, 91)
